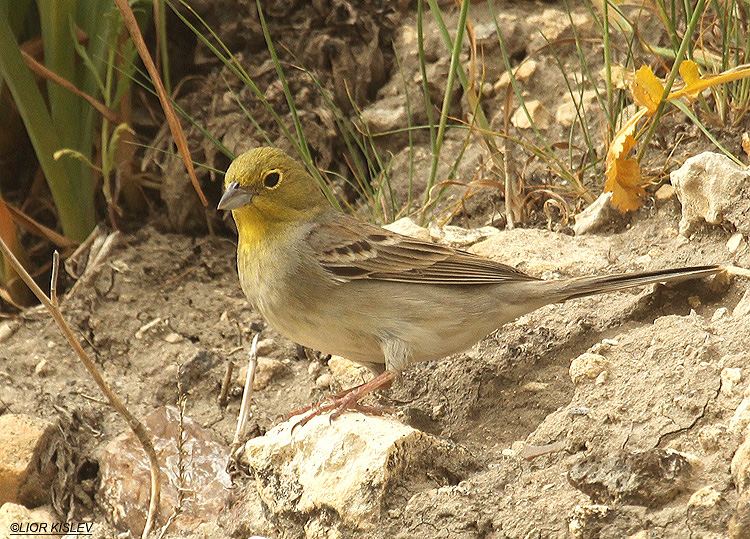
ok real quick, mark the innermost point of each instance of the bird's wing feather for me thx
(366, 251)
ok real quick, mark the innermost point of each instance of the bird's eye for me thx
(272, 179)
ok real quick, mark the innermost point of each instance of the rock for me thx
(743, 307)
(566, 113)
(713, 437)
(650, 478)
(730, 377)
(386, 116)
(522, 73)
(585, 521)
(721, 312)
(739, 525)
(323, 381)
(266, 371)
(741, 417)
(664, 193)
(7, 329)
(347, 373)
(528, 250)
(19, 521)
(407, 227)
(713, 188)
(600, 214)
(540, 116)
(338, 473)
(27, 466)
(734, 242)
(266, 347)
(587, 366)
(460, 238)
(125, 481)
(707, 511)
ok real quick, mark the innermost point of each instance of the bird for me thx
(335, 283)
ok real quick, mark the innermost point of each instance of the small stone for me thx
(743, 307)
(708, 511)
(721, 312)
(712, 437)
(570, 106)
(587, 366)
(347, 373)
(43, 368)
(740, 468)
(694, 301)
(385, 115)
(323, 381)
(438, 410)
(539, 115)
(266, 371)
(585, 521)
(650, 478)
(517, 446)
(712, 188)
(534, 387)
(665, 192)
(597, 216)
(602, 378)
(26, 466)
(488, 90)
(172, 337)
(125, 478)
(730, 377)
(314, 368)
(741, 417)
(7, 329)
(265, 347)
(734, 242)
(407, 227)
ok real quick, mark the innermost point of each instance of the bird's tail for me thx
(565, 289)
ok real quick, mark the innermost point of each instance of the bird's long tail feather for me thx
(589, 286)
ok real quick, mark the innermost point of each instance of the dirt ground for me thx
(165, 306)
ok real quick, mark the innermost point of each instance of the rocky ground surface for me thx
(619, 416)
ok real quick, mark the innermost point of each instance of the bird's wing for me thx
(351, 249)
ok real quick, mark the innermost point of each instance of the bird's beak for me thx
(235, 196)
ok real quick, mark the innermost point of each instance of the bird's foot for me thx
(348, 399)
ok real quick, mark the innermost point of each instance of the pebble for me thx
(42, 368)
(534, 386)
(173, 338)
(265, 347)
(587, 366)
(721, 312)
(730, 377)
(665, 192)
(323, 381)
(7, 329)
(743, 307)
(733, 243)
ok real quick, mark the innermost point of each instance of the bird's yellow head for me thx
(265, 187)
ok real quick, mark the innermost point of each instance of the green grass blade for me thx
(76, 211)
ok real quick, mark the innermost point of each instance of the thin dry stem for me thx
(245, 406)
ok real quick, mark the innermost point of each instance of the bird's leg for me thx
(348, 399)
